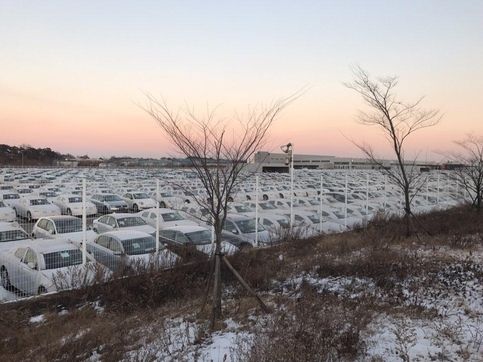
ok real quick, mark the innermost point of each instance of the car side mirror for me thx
(32, 265)
(234, 231)
(117, 253)
(51, 231)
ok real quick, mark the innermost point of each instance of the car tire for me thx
(265, 197)
(42, 290)
(69, 212)
(135, 208)
(33, 236)
(14, 209)
(5, 278)
(230, 199)
(162, 205)
(29, 216)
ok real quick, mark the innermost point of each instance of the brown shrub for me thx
(314, 328)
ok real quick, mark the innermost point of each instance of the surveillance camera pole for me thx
(288, 149)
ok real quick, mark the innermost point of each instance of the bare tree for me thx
(218, 150)
(397, 120)
(468, 168)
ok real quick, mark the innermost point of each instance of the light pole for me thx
(288, 149)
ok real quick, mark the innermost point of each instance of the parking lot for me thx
(322, 202)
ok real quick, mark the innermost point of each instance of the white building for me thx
(264, 161)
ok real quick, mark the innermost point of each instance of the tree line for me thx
(25, 155)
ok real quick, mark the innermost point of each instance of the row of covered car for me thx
(323, 202)
(115, 244)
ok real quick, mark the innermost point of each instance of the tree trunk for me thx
(407, 211)
(216, 293)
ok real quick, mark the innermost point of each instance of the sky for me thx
(73, 73)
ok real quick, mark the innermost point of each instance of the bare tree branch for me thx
(217, 156)
(468, 167)
(397, 120)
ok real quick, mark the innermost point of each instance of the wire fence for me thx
(64, 229)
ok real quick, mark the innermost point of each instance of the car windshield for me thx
(242, 208)
(125, 222)
(62, 259)
(248, 226)
(284, 223)
(64, 226)
(140, 196)
(166, 194)
(267, 206)
(139, 246)
(111, 198)
(339, 214)
(172, 216)
(11, 196)
(48, 194)
(37, 202)
(314, 218)
(25, 191)
(12, 235)
(362, 211)
(199, 237)
(74, 200)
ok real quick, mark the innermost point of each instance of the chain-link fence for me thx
(70, 228)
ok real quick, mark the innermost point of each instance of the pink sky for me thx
(70, 76)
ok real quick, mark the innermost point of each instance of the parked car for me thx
(65, 226)
(276, 224)
(197, 236)
(71, 204)
(167, 199)
(239, 208)
(195, 212)
(107, 203)
(12, 234)
(10, 198)
(122, 250)
(167, 218)
(263, 206)
(121, 221)
(46, 266)
(246, 228)
(6, 212)
(34, 207)
(138, 201)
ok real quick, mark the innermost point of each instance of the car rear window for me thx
(12, 235)
(140, 246)
(62, 259)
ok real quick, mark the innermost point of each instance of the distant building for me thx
(264, 161)
(67, 163)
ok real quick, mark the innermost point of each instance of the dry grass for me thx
(309, 321)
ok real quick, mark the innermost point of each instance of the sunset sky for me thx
(72, 72)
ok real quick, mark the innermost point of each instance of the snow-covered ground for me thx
(449, 328)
